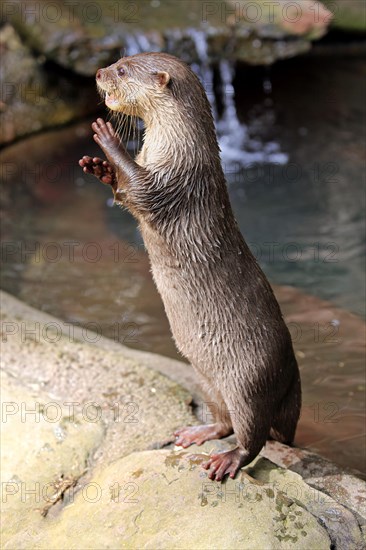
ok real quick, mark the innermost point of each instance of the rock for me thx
(162, 499)
(349, 15)
(139, 407)
(342, 490)
(281, 19)
(88, 480)
(84, 36)
(83, 39)
(33, 97)
(44, 452)
(73, 36)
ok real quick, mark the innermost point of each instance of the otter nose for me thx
(98, 76)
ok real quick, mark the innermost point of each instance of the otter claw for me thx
(221, 464)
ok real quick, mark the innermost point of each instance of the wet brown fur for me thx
(222, 311)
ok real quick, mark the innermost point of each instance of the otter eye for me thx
(121, 71)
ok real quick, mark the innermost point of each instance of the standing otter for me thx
(222, 311)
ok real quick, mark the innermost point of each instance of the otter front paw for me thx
(105, 135)
(99, 168)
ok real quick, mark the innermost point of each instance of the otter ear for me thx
(163, 78)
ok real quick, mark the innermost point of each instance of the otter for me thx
(222, 311)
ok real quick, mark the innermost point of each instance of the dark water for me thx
(312, 207)
(293, 149)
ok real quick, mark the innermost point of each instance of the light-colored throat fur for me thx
(189, 216)
(173, 143)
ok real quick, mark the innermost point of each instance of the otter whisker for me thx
(117, 116)
(121, 121)
(136, 133)
(125, 129)
(129, 128)
(111, 115)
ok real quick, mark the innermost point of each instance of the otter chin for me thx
(112, 102)
(222, 311)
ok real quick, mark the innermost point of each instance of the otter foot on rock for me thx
(99, 168)
(228, 462)
(199, 434)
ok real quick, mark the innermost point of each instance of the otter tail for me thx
(285, 421)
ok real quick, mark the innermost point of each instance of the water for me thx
(238, 148)
(295, 180)
(319, 121)
(280, 163)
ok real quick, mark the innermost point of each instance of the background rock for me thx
(33, 97)
(51, 50)
(86, 36)
(349, 15)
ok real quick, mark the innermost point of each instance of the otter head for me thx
(152, 86)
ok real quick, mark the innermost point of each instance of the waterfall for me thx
(236, 144)
(204, 69)
(234, 136)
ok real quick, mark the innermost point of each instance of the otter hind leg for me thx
(220, 427)
(285, 420)
(251, 422)
(199, 434)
